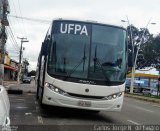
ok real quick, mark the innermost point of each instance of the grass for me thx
(148, 96)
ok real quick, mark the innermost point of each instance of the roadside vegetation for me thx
(149, 53)
(146, 95)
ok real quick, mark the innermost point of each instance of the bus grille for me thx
(85, 97)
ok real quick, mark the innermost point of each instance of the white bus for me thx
(82, 65)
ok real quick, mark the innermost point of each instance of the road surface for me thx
(25, 111)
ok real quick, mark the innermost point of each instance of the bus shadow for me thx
(77, 114)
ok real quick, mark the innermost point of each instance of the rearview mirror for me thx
(44, 48)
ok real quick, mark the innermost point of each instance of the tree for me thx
(151, 53)
(134, 38)
(25, 67)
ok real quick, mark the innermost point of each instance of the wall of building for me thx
(144, 80)
(10, 68)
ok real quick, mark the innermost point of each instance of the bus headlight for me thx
(114, 96)
(55, 89)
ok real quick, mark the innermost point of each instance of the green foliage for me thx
(25, 67)
(149, 53)
(149, 96)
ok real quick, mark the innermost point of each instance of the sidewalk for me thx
(14, 87)
(9, 83)
(149, 99)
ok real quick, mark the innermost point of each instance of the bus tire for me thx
(43, 106)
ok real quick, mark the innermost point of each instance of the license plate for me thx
(84, 103)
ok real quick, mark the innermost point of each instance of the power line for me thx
(31, 19)
(10, 24)
(14, 8)
(12, 46)
(12, 31)
(20, 12)
(12, 39)
(20, 22)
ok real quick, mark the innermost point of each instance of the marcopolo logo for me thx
(78, 29)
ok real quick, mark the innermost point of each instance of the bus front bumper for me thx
(55, 99)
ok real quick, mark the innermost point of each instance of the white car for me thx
(150, 92)
(154, 92)
(4, 109)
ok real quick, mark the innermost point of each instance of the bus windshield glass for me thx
(87, 51)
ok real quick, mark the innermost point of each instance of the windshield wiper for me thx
(84, 56)
(55, 56)
(109, 64)
(64, 65)
(96, 61)
(76, 66)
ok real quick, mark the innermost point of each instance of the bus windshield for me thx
(87, 51)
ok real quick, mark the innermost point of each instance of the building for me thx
(10, 68)
(144, 79)
(4, 10)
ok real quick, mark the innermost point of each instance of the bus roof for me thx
(89, 22)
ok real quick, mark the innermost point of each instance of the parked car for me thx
(26, 80)
(4, 109)
(154, 92)
(150, 92)
(146, 91)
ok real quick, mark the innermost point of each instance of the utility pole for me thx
(136, 55)
(20, 56)
(132, 43)
(3, 22)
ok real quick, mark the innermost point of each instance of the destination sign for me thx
(76, 28)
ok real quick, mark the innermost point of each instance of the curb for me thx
(15, 88)
(18, 92)
(143, 98)
(7, 86)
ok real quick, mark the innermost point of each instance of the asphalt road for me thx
(25, 114)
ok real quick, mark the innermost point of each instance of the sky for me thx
(139, 12)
